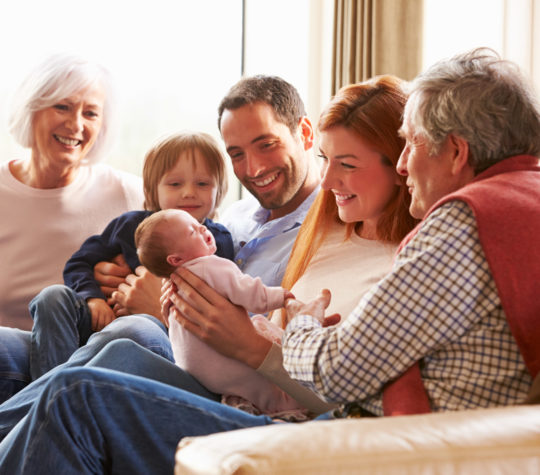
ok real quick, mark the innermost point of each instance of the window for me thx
(507, 26)
(172, 60)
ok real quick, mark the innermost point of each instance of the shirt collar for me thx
(295, 217)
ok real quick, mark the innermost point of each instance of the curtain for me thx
(373, 37)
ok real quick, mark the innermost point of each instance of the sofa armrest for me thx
(503, 440)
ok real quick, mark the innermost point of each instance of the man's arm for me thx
(421, 306)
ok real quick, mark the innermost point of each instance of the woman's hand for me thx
(211, 317)
(315, 308)
(139, 293)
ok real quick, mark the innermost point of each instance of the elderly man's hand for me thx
(315, 308)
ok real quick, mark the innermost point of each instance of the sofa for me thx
(482, 441)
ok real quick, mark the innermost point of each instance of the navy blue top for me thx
(119, 238)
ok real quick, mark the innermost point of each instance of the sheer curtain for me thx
(373, 37)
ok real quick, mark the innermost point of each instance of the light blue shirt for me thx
(262, 247)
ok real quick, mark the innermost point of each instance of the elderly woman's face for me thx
(65, 132)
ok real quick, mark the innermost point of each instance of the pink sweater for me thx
(219, 373)
(505, 200)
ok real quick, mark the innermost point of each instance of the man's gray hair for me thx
(482, 99)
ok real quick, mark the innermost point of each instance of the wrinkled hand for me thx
(139, 293)
(315, 308)
(211, 317)
(109, 275)
(102, 313)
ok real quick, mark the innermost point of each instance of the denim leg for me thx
(91, 420)
(129, 357)
(14, 361)
(142, 329)
(62, 323)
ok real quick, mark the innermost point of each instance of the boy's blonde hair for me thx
(165, 154)
(150, 242)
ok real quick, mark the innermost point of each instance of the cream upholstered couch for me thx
(484, 441)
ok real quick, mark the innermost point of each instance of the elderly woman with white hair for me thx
(60, 195)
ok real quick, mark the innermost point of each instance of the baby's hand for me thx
(101, 313)
(316, 308)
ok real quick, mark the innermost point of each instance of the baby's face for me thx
(190, 238)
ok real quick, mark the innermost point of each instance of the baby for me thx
(171, 238)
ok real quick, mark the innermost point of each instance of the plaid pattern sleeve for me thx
(438, 305)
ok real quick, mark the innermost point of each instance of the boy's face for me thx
(188, 238)
(189, 186)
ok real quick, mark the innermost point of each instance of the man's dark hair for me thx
(281, 96)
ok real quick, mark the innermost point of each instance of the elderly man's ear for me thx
(460, 154)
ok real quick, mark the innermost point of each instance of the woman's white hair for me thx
(57, 78)
(484, 100)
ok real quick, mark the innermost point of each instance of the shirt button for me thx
(239, 261)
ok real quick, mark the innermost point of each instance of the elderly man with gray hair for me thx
(462, 296)
(451, 327)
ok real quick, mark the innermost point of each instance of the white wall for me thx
(507, 26)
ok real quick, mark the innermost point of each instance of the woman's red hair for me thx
(372, 110)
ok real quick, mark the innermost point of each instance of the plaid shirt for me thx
(438, 305)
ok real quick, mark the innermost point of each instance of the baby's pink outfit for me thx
(219, 373)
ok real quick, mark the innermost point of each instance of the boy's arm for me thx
(110, 274)
(101, 313)
(79, 269)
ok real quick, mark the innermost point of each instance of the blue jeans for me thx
(62, 324)
(15, 349)
(14, 361)
(105, 350)
(92, 420)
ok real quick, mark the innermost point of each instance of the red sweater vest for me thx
(505, 200)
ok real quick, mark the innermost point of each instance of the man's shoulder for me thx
(450, 214)
(443, 223)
